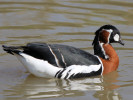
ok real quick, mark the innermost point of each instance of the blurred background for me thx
(69, 22)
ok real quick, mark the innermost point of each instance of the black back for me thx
(66, 55)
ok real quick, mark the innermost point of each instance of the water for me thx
(69, 22)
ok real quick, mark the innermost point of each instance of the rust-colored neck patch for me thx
(104, 36)
(112, 63)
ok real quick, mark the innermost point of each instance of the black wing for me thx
(60, 55)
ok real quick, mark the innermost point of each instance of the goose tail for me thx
(12, 49)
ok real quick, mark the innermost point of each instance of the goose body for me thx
(66, 62)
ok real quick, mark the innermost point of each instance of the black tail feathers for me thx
(11, 49)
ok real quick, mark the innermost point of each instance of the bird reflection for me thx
(34, 87)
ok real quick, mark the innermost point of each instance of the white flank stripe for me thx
(75, 69)
(56, 60)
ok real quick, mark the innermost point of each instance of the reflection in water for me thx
(108, 95)
(109, 92)
(34, 87)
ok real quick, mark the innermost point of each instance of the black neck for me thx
(99, 50)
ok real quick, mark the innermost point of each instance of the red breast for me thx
(112, 63)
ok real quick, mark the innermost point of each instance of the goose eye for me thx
(116, 37)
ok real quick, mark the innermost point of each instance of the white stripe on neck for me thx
(106, 56)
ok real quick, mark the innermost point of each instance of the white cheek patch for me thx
(116, 37)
